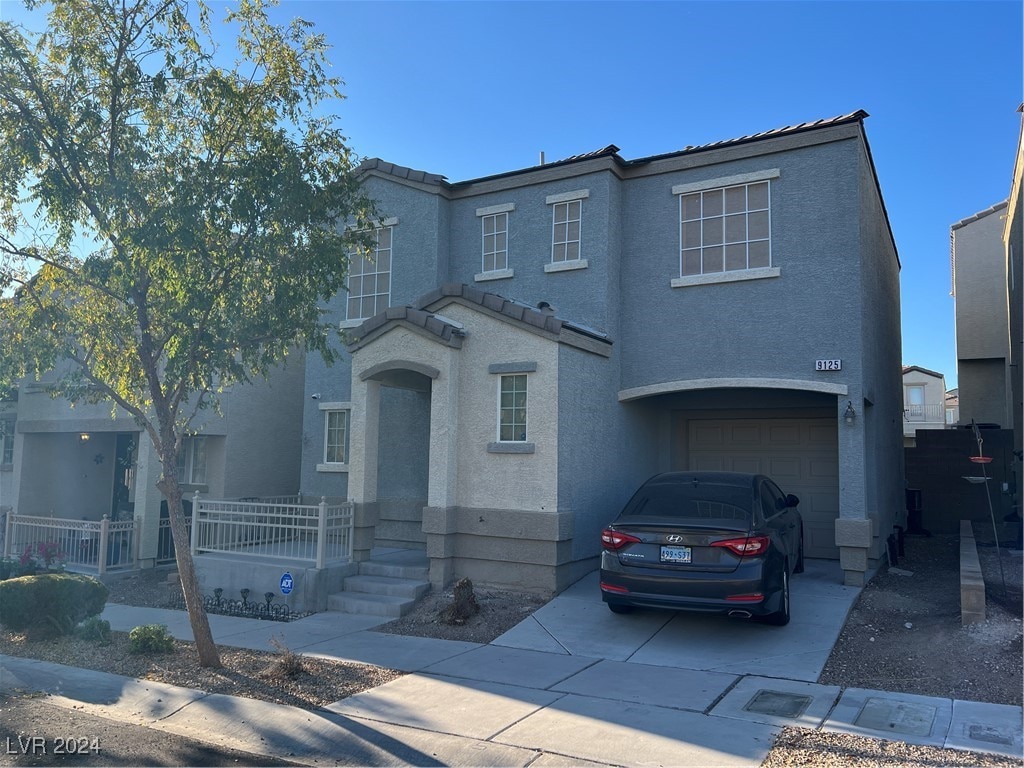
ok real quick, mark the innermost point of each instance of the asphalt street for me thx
(36, 732)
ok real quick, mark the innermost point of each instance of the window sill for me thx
(494, 274)
(510, 448)
(565, 266)
(726, 277)
(332, 467)
(6, 467)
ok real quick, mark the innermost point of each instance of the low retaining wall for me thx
(972, 582)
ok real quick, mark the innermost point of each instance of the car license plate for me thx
(675, 554)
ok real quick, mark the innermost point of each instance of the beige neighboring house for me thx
(924, 402)
(953, 408)
(981, 282)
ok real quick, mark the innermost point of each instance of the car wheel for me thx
(800, 555)
(619, 608)
(781, 617)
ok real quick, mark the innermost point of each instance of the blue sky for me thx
(468, 89)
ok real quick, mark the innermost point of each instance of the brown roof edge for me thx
(936, 374)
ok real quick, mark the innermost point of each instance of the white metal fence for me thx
(280, 528)
(79, 544)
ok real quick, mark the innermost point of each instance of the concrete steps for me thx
(389, 584)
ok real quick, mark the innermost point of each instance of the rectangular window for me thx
(336, 437)
(725, 230)
(915, 401)
(192, 461)
(7, 441)
(565, 237)
(369, 279)
(512, 409)
(495, 241)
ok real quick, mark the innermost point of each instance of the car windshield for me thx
(701, 501)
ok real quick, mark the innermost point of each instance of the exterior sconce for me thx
(849, 413)
(83, 438)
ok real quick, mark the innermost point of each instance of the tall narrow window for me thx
(7, 441)
(495, 242)
(512, 409)
(336, 437)
(192, 461)
(915, 402)
(565, 238)
(369, 279)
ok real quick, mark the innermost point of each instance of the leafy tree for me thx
(215, 200)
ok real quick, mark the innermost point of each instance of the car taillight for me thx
(615, 540)
(748, 545)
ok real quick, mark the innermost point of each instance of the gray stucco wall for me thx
(773, 327)
(980, 288)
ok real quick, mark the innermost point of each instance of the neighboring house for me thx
(924, 401)
(981, 280)
(528, 348)
(85, 461)
(953, 407)
(1013, 242)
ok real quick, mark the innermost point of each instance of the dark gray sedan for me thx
(715, 542)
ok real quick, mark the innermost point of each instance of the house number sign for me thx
(828, 365)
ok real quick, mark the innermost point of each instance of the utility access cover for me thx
(991, 734)
(897, 717)
(778, 704)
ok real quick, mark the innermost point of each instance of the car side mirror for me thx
(791, 500)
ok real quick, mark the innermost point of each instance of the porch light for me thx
(849, 413)
(83, 438)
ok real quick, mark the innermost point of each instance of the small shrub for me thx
(463, 605)
(50, 603)
(150, 638)
(9, 568)
(94, 629)
(288, 664)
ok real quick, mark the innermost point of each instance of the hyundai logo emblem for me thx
(675, 538)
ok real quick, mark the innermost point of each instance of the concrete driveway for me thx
(578, 623)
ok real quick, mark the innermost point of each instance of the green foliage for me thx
(94, 629)
(50, 603)
(151, 638)
(10, 568)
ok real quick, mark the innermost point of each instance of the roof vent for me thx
(546, 308)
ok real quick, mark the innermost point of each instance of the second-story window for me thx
(512, 409)
(6, 441)
(566, 226)
(725, 229)
(369, 279)
(495, 242)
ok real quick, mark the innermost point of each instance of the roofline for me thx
(979, 215)
(936, 374)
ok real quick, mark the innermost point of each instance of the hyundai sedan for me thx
(713, 542)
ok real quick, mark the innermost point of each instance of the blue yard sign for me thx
(286, 583)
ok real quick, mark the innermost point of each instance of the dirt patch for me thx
(904, 634)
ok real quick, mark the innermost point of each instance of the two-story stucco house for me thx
(982, 278)
(527, 348)
(924, 402)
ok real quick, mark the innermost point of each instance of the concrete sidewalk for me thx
(571, 684)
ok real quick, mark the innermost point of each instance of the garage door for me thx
(801, 455)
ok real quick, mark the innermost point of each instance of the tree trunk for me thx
(206, 648)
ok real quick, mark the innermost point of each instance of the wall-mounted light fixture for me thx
(849, 413)
(83, 438)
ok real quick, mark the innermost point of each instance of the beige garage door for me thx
(801, 455)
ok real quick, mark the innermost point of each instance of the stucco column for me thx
(853, 526)
(439, 514)
(362, 473)
(147, 500)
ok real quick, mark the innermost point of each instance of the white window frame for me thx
(191, 471)
(327, 409)
(703, 223)
(525, 408)
(915, 411)
(7, 425)
(371, 269)
(566, 201)
(498, 214)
